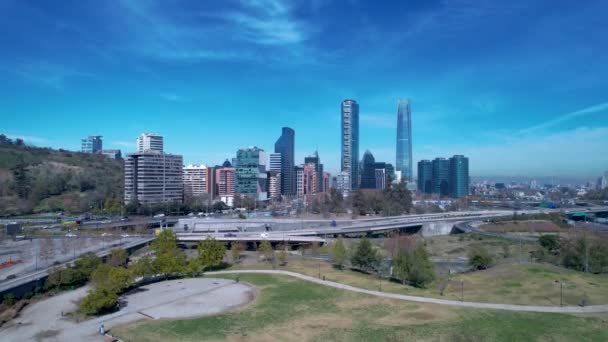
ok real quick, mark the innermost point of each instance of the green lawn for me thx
(290, 309)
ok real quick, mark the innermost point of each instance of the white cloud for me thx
(28, 138)
(569, 116)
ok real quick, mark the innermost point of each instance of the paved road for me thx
(496, 306)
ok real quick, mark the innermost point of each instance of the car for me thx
(105, 234)
(264, 235)
(230, 235)
(123, 219)
(159, 215)
(70, 235)
(125, 235)
(11, 276)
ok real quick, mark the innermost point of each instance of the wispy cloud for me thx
(172, 97)
(565, 117)
(51, 75)
(378, 120)
(128, 144)
(28, 138)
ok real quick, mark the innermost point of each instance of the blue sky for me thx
(521, 87)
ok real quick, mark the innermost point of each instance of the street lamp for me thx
(561, 292)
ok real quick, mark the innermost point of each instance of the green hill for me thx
(34, 180)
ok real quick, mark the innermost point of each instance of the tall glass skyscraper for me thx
(425, 176)
(368, 175)
(350, 140)
(459, 176)
(285, 146)
(441, 176)
(404, 140)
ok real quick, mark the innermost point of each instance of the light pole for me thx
(561, 292)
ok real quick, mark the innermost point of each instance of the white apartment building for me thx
(195, 180)
(343, 183)
(147, 142)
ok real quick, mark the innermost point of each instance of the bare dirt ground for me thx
(44, 321)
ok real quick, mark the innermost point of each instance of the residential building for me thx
(153, 178)
(343, 183)
(310, 181)
(225, 180)
(211, 182)
(299, 171)
(425, 176)
(314, 158)
(285, 145)
(404, 140)
(441, 175)
(368, 172)
(273, 184)
(459, 176)
(350, 141)
(149, 142)
(195, 180)
(112, 154)
(251, 173)
(274, 162)
(326, 181)
(92, 144)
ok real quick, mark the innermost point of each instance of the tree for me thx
(414, 267)
(118, 257)
(111, 278)
(211, 252)
(358, 203)
(169, 259)
(479, 257)
(282, 258)
(397, 242)
(266, 251)
(336, 201)
(365, 256)
(338, 253)
(235, 251)
(98, 301)
(550, 243)
(143, 267)
(397, 200)
(20, 178)
(47, 249)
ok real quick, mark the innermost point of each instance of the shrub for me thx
(98, 301)
(479, 257)
(365, 255)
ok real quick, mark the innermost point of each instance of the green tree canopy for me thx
(338, 253)
(365, 256)
(211, 252)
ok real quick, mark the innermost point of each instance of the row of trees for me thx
(584, 252)
(411, 262)
(116, 275)
(394, 200)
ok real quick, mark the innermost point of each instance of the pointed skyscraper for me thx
(404, 140)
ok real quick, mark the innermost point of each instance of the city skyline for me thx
(519, 97)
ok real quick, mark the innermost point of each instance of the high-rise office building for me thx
(310, 181)
(153, 178)
(368, 172)
(381, 178)
(314, 159)
(350, 141)
(441, 176)
(404, 140)
(285, 145)
(459, 176)
(251, 173)
(425, 176)
(274, 162)
(149, 142)
(195, 180)
(92, 144)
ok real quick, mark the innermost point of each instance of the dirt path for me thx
(496, 306)
(182, 298)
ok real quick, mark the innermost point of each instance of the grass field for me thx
(531, 226)
(292, 310)
(510, 283)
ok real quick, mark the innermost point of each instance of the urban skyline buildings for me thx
(146, 142)
(314, 159)
(403, 162)
(285, 145)
(251, 173)
(350, 141)
(92, 144)
(459, 176)
(196, 180)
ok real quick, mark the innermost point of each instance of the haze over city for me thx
(523, 96)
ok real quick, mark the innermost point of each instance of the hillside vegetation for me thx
(34, 180)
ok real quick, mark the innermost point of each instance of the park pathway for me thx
(495, 306)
